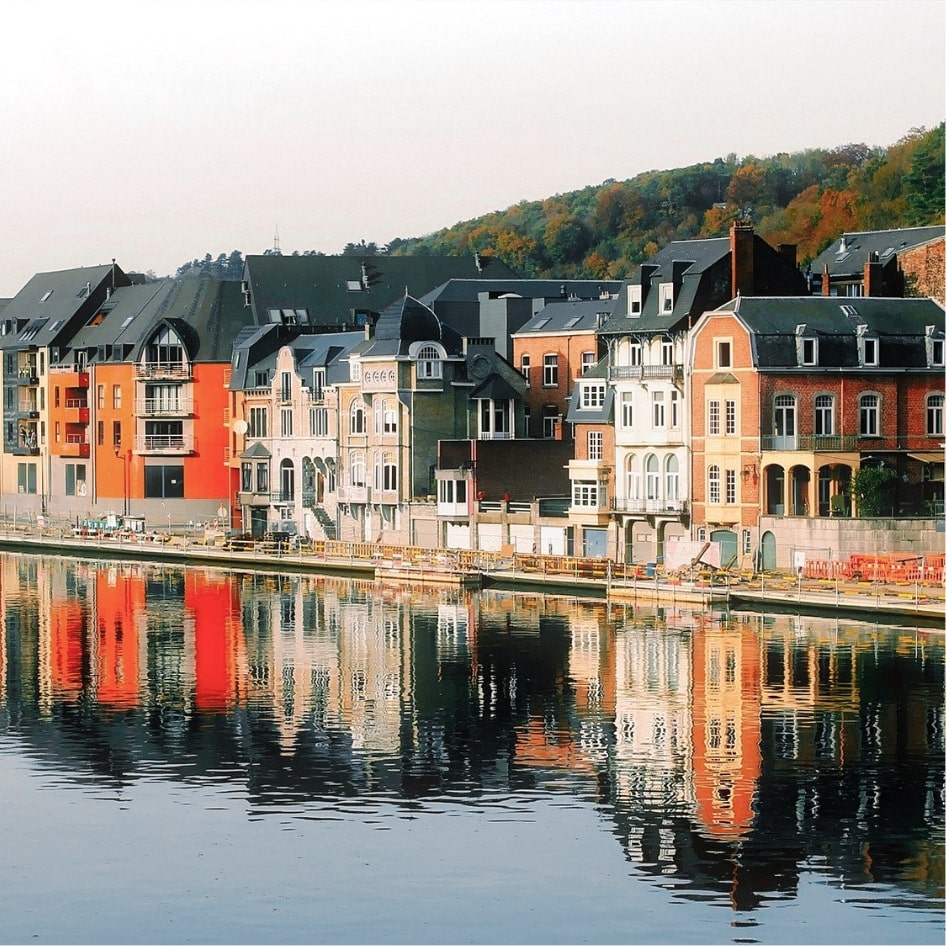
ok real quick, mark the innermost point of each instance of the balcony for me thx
(27, 377)
(645, 372)
(650, 507)
(176, 444)
(253, 499)
(836, 443)
(164, 407)
(353, 494)
(75, 447)
(163, 370)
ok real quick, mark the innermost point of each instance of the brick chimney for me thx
(826, 282)
(741, 247)
(873, 277)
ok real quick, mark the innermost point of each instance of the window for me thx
(666, 352)
(164, 482)
(262, 477)
(116, 433)
(673, 478)
(389, 421)
(549, 421)
(746, 541)
(429, 364)
(730, 486)
(246, 477)
(592, 395)
(824, 415)
(666, 298)
(587, 361)
(595, 444)
(870, 351)
(357, 417)
(58, 432)
(99, 396)
(261, 379)
(652, 477)
(318, 422)
(633, 479)
(75, 479)
(26, 477)
(674, 409)
(358, 473)
(730, 417)
(636, 354)
(318, 383)
(809, 351)
(389, 475)
(100, 433)
(712, 478)
(723, 353)
(936, 352)
(355, 367)
(495, 418)
(550, 371)
(785, 422)
(627, 409)
(712, 423)
(634, 300)
(285, 386)
(934, 415)
(525, 366)
(285, 422)
(585, 494)
(660, 417)
(869, 414)
(259, 421)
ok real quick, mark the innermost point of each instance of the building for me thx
(790, 397)
(903, 262)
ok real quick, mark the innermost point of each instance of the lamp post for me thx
(121, 455)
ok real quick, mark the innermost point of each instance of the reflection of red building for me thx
(214, 605)
(727, 709)
(66, 632)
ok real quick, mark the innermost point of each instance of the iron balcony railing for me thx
(811, 442)
(670, 507)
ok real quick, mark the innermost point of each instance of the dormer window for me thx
(634, 301)
(869, 350)
(592, 395)
(429, 363)
(809, 351)
(666, 298)
(934, 347)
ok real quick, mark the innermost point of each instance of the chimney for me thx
(789, 251)
(873, 278)
(826, 282)
(741, 247)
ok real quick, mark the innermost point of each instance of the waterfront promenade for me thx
(913, 599)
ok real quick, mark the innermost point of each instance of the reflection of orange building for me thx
(120, 612)
(727, 709)
(66, 633)
(214, 603)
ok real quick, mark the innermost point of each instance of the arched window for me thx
(673, 477)
(653, 477)
(633, 478)
(357, 417)
(869, 415)
(712, 483)
(934, 415)
(785, 422)
(287, 481)
(429, 364)
(358, 470)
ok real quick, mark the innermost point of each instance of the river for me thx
(213, 756)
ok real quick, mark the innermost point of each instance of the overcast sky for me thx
(156, 132)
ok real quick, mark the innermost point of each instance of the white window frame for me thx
(934, 414)
(592, 395)
(595, 445)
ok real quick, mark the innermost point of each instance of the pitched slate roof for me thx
(700, 272)
(207, 314)
(468, 290)
(334, 290)
(900, 325)
(52, 306)
(569, 317)
(850, 252)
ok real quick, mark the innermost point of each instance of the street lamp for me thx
(120, 455)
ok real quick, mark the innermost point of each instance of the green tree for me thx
(874, 487)
(924, 181)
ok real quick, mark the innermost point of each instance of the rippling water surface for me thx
(207, 756)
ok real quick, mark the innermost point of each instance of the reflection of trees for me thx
(730, 754)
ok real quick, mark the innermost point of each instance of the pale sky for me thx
(156, 132)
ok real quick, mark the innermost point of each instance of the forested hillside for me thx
(603, 231)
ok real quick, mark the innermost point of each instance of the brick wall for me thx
(923, 271)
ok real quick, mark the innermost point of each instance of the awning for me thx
(927, 457)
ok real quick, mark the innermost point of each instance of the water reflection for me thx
(731, 754)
